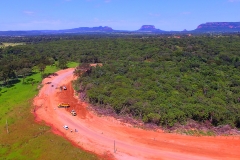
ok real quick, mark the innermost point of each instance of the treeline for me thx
(159, 79)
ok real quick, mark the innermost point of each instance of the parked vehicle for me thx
(73, 113)
(65, 127)
(63, 88)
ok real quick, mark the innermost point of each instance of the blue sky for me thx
(119, 14)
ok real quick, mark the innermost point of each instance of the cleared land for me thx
(10, 44)
(98, 134)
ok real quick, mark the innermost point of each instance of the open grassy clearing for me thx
(72, 64)
(10, 44)
(27, 139)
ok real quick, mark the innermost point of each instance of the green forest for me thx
(158, 79)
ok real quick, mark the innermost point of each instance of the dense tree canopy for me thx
(159, 79)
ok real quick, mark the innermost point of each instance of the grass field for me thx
(72, 64)
(27, 139)
(10, 44)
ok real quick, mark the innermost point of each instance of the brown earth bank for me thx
(112, 139)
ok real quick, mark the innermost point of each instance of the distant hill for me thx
(65, 31)
(203, 28)
(88, 29)
(149, 28)
(219, 27)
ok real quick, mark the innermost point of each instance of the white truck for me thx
(73, 113)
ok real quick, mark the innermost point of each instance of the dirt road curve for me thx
(97, 134)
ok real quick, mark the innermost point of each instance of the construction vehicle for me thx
(63, 105)
(73, 113)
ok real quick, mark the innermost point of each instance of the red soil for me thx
(97, 134)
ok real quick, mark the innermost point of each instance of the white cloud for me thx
(97, 6)
(30, 13)
(52, 22)
(41, 24)
(154, 14)
(233, 1)
(186, 13)
(96, 20)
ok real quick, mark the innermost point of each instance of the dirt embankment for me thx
(101, 134)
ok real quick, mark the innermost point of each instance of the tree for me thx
(154, 117)
(62, 64)
(24, 72)
(42, 68)
(7, 73)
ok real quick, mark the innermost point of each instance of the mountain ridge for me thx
(219, 26)
(202, 28)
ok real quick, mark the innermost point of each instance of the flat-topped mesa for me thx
(149, 28)
(105, 28)
(219, 26)
(92, 29)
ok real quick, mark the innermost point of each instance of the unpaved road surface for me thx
(98, 134)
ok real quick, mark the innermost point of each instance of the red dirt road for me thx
(97, 134)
